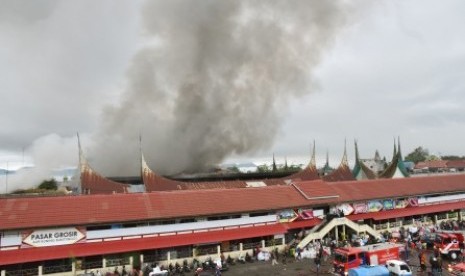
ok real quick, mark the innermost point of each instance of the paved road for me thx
(303, 267)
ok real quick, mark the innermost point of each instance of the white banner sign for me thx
(53, 237)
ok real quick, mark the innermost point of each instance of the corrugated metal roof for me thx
(20, 213)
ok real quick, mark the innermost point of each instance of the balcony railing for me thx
(117, 261)
(57, 269)
(23, 272)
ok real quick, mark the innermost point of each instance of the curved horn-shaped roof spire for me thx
(357, 158)
(312, 163)
(94, 183)
(399, 152)
(82, 159)
(343, 172)
(397, 168)
(360, 170)
(310, 172)
(345, 161)
(154, 182)
(395, 150)
(274, 168)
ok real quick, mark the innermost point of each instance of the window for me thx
(340, 258)
(352, 258)
(362, 258)
(258, 214)
(98, 227)
(441, 216)
(404, 267)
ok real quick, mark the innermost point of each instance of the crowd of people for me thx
(416, 237)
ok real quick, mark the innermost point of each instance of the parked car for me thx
(397, 267)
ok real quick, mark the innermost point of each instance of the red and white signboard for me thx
(53, 237)
(306, 213)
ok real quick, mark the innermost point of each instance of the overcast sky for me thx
(387, 69)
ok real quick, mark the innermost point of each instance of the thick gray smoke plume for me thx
(215, 80)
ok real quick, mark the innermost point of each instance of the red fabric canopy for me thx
(120, 246)
(302, 223)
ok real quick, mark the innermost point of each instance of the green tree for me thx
(234, 169)
(452, 157)
(296, 167)
(432, 157)
(48, 184)
(417, 155)
(263, 169)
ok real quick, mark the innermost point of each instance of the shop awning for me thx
(302, 223)
(411, 211)
(137, 244)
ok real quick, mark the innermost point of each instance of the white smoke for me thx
(47, 153)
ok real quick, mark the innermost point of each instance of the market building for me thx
(109, 225)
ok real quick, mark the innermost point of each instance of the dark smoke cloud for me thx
(216, 80)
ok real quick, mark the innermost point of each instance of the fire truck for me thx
(449, 243)
(372, 254)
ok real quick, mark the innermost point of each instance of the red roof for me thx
(94, 183)
(308, 173)
(25, 213)
(459, 164)
(351, 191)
(154, 182)
(120, 246)
(21, 213)
(434, 164)
(342, 173)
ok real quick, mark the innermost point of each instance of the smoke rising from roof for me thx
(215, 80)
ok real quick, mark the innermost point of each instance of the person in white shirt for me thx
(158, 271)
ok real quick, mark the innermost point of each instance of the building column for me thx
(40, 270)
(168, 256)
(73, 266)
(218, 249)
(131, 260)
(263, 244)
(194, 252)
(240, 247)
(337, 233)
(141, 257)
(3, 273)
(104, 262)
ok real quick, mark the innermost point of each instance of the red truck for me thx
(372, 254)
(449, 243)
